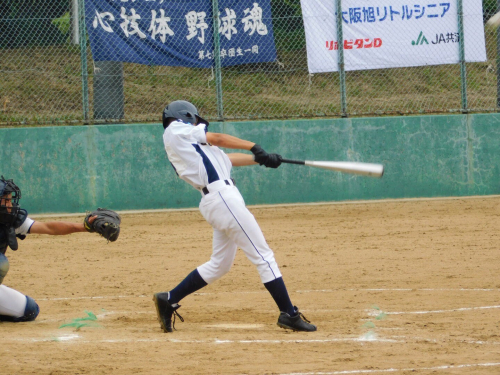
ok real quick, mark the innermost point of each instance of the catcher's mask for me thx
(9, 205)
(182, 110)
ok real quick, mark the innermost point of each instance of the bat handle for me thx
(290, 161)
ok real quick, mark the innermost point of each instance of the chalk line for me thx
(264, 292)
(377, 312)
(75, 339)
(355, 202)
(444, 367)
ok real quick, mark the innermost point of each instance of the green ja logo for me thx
(420, 40)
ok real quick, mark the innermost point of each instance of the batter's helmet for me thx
(181, 110)
(9, 213)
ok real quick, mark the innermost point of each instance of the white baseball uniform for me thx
(12, 302)
(208, 169)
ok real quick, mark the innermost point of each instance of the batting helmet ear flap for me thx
(201, 120)
(166, 121)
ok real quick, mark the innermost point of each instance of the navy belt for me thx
(206, 191)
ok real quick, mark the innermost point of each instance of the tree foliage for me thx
(30, 22)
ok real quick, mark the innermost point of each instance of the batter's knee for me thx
(224, 269)
(211, 271)
(4, 267)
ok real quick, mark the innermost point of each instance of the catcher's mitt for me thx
(107, 223)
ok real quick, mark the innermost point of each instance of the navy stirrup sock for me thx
(190, 284)
(279, 293)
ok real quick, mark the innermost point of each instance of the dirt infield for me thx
(394, 287)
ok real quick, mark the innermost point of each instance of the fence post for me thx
(75, 21)
(498, 59)
(461, 45)
(83, 59)
(217, 67)
(340, 42)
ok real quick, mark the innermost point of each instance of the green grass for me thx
(43, 85)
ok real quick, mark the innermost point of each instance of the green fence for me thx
(124, 167)
(48, 76)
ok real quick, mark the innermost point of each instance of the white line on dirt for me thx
(76, 339)
(370, 336)
(263, 292)
(458, 340)
(439, 311)
(436, 368)
(399, 290)
(284, 205)
(88, 297)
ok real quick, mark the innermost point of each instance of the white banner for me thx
(382, 34)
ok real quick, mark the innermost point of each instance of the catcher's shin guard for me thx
(295, 323)
(165, 310)
(4, 267)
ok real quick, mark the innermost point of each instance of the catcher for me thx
(15, 224)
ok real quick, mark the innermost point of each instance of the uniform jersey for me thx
(25, 227)
(194, 160)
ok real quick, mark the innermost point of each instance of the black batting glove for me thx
(260, 156)
(273, 161)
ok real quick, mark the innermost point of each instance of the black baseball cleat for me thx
(165, 310)
(295, 323)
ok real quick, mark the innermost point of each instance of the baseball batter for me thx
(15, 224)
(197, 159)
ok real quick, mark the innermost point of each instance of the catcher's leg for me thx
(4, 267)
(16, 307)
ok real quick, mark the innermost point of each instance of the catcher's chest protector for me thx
(3, 239)
(8, 236)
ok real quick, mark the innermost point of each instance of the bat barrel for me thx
(364, 169)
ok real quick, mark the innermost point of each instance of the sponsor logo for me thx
(354, 44)
(420, 40)
(446, 38)
(439, 38)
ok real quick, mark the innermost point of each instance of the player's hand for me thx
(273, 161)
(260, 156)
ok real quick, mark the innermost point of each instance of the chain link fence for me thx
(49, 74)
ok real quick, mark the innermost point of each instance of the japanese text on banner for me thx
(173, 33)
(391, 33)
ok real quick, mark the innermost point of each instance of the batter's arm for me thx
(259, 155)
(57, 228)
(241, 160)
(228, 141)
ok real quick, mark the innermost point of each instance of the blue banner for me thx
(179, 33)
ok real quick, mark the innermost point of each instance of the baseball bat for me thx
(364, 169)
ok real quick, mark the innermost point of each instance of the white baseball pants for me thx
(234, 226)
(12, 302)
